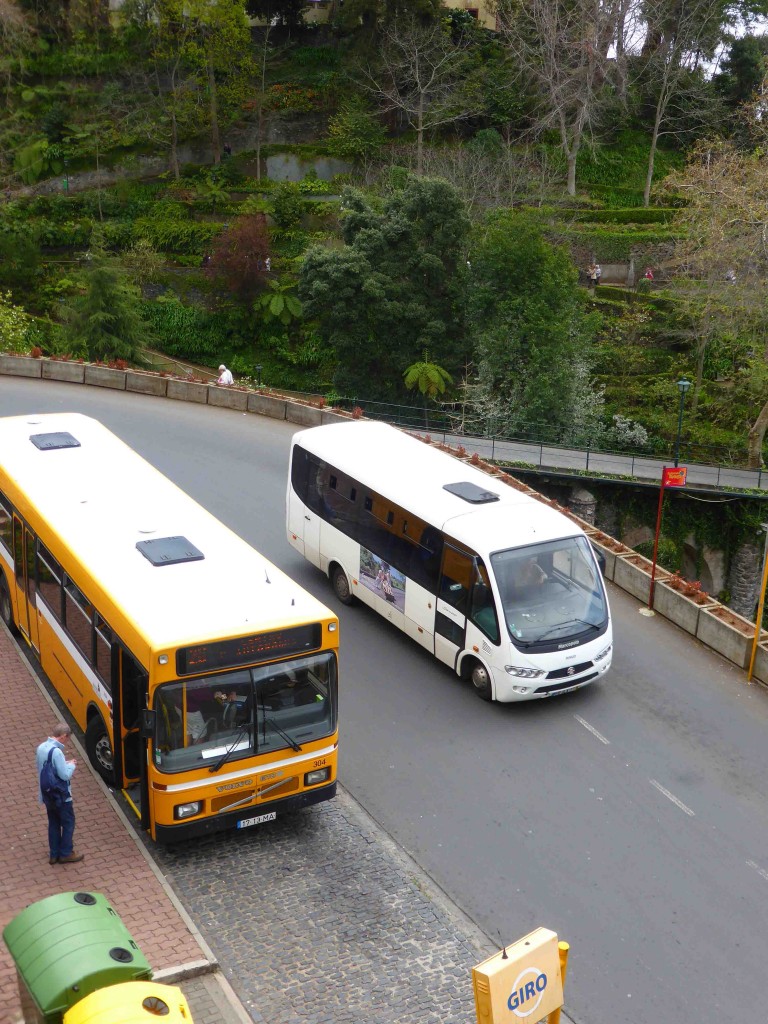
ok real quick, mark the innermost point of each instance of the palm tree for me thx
(429, 378)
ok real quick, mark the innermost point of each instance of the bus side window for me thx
(483, 610)
(103, 649)
(5, 523)
(456, 578)
(49, 579)
(78, 622)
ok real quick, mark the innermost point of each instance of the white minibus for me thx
(502, 588)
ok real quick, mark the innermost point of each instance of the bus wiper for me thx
(560, 625)
(224, 757)
(288, 739)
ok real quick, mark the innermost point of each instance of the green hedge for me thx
(633, 215)
(614, 195)
(617, 246)
(184, 236)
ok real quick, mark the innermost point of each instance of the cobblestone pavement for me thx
(318, 918)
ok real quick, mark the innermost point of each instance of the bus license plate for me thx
(258, 820)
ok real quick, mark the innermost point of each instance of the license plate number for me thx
(258, 820)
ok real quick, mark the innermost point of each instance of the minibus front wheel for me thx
(99, 748)
(481, 681)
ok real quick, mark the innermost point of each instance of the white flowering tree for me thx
(15, 324)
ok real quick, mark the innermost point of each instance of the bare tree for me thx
(421, 73)
(683, 31)
(16, 35)
(562, 49)
(486, 177)
(721, 264)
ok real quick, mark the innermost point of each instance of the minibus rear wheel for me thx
(340, 584)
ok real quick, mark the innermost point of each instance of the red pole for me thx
(656, 540)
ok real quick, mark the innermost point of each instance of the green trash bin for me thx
(64, 948)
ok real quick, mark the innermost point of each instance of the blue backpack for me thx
(54, 789)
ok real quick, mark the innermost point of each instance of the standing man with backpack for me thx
(54, 773)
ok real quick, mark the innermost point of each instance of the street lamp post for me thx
(682, 387)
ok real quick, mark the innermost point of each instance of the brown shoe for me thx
(53, 860)
(73, 858)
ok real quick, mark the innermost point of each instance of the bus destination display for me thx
(248, 650)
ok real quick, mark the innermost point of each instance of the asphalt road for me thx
(630, 817)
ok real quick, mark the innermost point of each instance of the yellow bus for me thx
(204, 679)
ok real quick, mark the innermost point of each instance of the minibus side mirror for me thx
(600, 559)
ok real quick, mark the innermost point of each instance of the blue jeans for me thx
(61, 828)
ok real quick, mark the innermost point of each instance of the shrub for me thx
(291, 97)
(287, 205)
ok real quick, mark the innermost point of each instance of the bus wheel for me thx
(340, 585)
(6, 609)
(99, 749)
(481, 681)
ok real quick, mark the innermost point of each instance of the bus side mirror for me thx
(147, 726)
(600, 559)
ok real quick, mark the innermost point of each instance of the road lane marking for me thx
(761, 871)
(591, 729)
(673, 798)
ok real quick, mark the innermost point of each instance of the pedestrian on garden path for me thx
(61, 812)
(592, 275)
(225, 376)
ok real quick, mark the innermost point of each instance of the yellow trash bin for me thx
(132, 1002)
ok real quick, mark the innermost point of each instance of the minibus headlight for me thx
(603, 654)
(524, 673)
(187, 810)
(318, 775)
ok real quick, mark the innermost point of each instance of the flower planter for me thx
(605, 546)
(146, 383)
(683, 611)
(227, 398)
(105, 377)
(20, 366)
(187, 391)
(304, 415)
(329, 416)
(59, 369)
(266, 405)
(632, 572)
(760, 668)
(728, 633)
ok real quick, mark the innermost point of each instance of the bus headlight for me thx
(187, 810)
(318, 775)
(603, 654)
(524, 673)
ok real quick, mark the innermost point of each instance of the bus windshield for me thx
(550, 592)
(216, 718)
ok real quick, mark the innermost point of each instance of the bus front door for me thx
(452, 602)
(26, 595)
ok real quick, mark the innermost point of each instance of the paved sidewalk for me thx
(115, 864)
